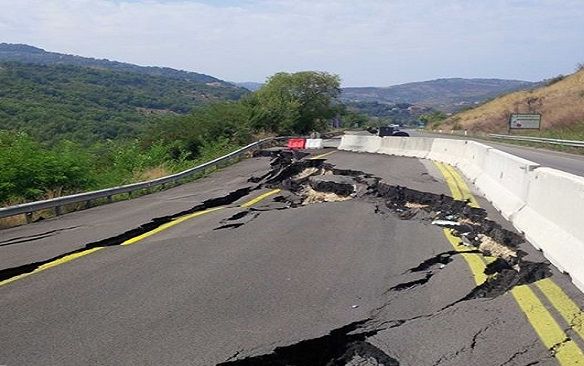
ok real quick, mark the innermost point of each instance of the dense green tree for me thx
(295, 103)
(30, 171)
(433, 119)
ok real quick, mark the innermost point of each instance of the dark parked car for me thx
(388, 131)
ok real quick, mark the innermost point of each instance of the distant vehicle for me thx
(391, 130)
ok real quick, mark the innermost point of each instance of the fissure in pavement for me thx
(119, 239)
(313, 181)
(343, 346)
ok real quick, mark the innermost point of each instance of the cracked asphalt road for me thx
(268, 285)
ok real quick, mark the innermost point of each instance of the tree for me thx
(295, 103)
(433, 119)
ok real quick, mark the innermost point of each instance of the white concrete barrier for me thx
(504, 180)
(313, 144)
(448, 151)
(417, 147)
(360, 143)
(553, 219)
(473, 160)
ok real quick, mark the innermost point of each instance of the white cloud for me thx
(368, 42)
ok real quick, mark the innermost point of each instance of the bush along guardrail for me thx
(56, 204)
(542, 203)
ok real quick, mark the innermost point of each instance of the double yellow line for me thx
(551, 334)
(136, 239)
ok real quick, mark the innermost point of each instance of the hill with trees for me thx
(34, 55)
(560, 102)
(55, 102)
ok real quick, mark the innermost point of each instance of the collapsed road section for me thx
(306, 182)
(311, 182)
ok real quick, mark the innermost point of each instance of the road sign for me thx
(525, 121)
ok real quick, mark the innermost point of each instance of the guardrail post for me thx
(57, 210)
(28, 217)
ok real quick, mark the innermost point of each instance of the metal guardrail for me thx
(86, 197)
(544, 140)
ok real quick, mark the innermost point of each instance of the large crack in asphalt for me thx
(34, 237)
(313, 181)
(342, 346)
(144, 228)
(305, 182)
(475, 231)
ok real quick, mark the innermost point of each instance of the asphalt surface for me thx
(310, 279)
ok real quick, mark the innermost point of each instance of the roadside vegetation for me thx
(36, 166)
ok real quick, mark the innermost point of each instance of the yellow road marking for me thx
(450, 181)
(168, 225)
(553, 337)
(133, 240)
(322, 155)
(549, 331)
(56, 262)
(259, 198)
(474, 260)
(462, 186)
(569, 310)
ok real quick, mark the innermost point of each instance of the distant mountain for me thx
(249, 85)
(34, 55)
(443, 94)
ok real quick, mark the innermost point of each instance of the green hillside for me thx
(55, 102)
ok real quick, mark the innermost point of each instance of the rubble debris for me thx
(415, 205)
(311, 196)
(492, 248)
(341, 185)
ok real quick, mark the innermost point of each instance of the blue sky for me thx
(366, 42)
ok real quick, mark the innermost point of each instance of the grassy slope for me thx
(561, 105)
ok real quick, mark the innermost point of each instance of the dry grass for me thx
(12, 221)
(561, 105)
(152, 173)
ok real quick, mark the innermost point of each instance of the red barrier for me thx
(296, 143)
